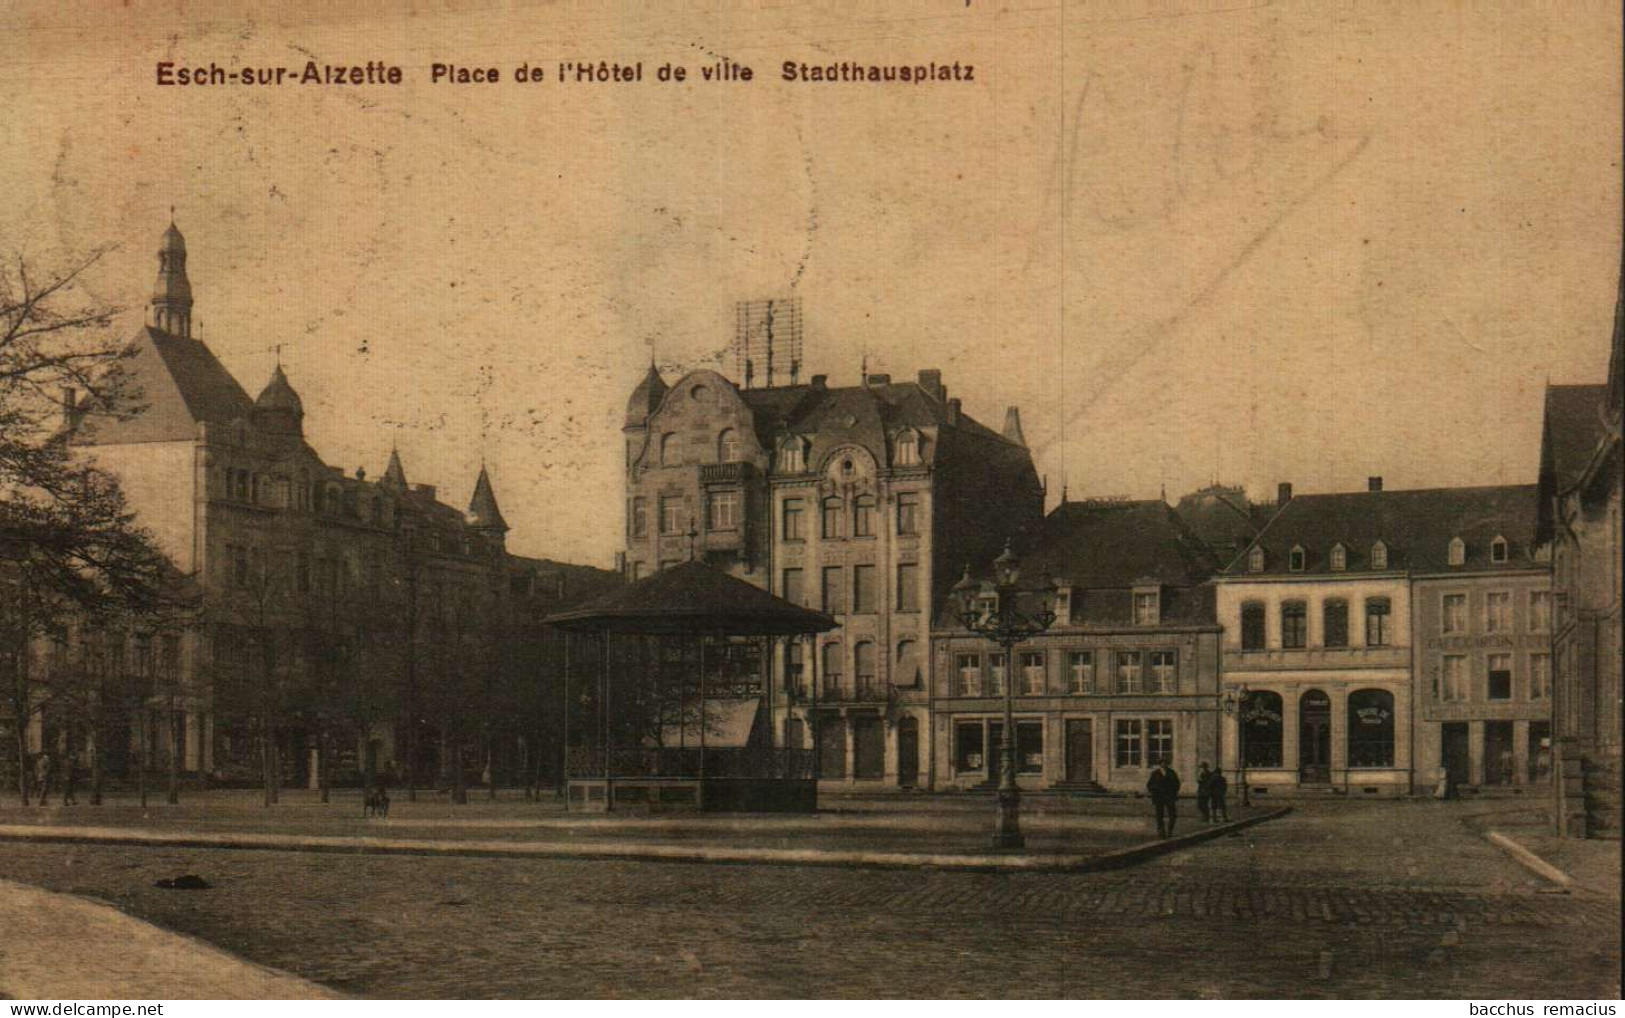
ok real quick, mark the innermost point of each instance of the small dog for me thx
(377, 803)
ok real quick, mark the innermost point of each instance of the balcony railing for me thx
(724, 473)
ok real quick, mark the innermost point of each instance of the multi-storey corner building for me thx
(1580, 493)
(309, 577)
(862, 501)
(1128, 674)
(1335, 621)
(1481, 604)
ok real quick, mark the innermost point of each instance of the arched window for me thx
(1255, 560)
(728, 446)
(905, 649)
(908, 449)
(1297, 558)
(1458, 551)
(671, 449)
(863, 516)
(1261, 731)
(1498, 550)
(907, 671)
(792, 459)
(831, 659)
(1252, 626)
(833, 511)
(1379, 556)
(1340, 558)
(863, 663)
(1371, 728)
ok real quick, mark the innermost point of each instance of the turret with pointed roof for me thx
(279, 407)
(394, 474)
(483, 513)
(646, 397)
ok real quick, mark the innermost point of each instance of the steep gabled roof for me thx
(1415, 526)
(177, 383)
(692, 598)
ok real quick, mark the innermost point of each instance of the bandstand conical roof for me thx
(692, 598)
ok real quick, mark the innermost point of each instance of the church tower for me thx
(172, 294)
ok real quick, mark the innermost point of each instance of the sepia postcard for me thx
(734, 499)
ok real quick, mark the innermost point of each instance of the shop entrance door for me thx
(1080, 750)
(1315, 738)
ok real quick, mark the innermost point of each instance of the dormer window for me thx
(908, 450)
(791, 458)
(1498, 549)
(1458, 551)
(1295, 558)
(1379, 556)
(1063, 604)
(1255, 560)
(1147, 606)
(1340, 558)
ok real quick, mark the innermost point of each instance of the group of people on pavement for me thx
(47, 773)
(1211, 789)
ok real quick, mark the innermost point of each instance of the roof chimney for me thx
(819, 381)
(1283, 492)
(953, 411)
(1012, 426)
(931, 382)
(879, 380)
(1373, 484)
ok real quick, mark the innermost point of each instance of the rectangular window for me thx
(1453, 678)
(640, 517)
(1499, 677)
(1335, 629)
(864, 601)
(1032, 673)
(1164, 671)
(908, 587)
(795, 668)
(834, 591)
(1129, 665)
(863, 517)
(832, 529)
(1252, 627)
(969, 669)
(1453, 613)
(1540, 676)
(790, 587)
(908, 513)
(1540, 611)
(1080, 671)
(724, 510)
(1294, 624)
(1159, 742)
(671, 514)
(1146, 608)
(1498, 611)
(794, 515)
(969, 743)
(995, 675)
(1376, 622)
(1129, 734)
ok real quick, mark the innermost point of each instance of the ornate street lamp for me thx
(1237, 700)
(1007, 625)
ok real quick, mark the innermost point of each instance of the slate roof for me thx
(1105, 549)
(821, 413)
(1574, 425)
(483, 513)
(692, 598)
(1416, 526)
(176, 382)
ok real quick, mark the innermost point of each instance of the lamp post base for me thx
(1007, 829)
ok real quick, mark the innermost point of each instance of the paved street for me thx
(1336, 900)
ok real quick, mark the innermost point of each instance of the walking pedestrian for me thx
(1217, 788)
(70, 780)
(1203, 777)
(44, 772)
(1164, 788)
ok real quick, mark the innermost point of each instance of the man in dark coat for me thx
(1203, 776)
(1164, 788)
(1217, 788)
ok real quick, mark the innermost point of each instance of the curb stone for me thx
(637, 851)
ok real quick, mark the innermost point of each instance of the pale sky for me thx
(1303, 242)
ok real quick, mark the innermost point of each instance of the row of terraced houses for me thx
(1368, 643)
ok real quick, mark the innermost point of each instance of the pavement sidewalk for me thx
(631, 849)
(61, 947)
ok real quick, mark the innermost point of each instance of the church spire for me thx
(394, 474)
(172, 294)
